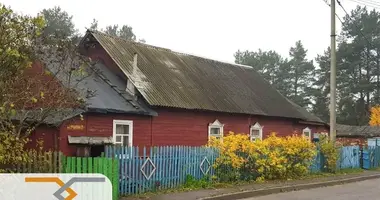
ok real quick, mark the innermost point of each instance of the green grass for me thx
(194, 185)
(338, 173)
(374, 169)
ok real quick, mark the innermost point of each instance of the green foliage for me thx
(20, 34)
(24, 86)
(192, 183)
(331, 153)
(16, 44)
(322, 86)
(13, 155)
(293, 78)
(300, 73)
(59, 24)
(358, 74)
(125, 32)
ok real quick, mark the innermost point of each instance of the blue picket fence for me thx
(371, 157)
(150, 169)
(349, 157)
(317, 164)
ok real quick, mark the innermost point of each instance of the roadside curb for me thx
(275, 190)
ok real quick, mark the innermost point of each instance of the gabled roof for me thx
(109, 94)
(170, 79)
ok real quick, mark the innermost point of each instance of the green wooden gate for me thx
(107, 166)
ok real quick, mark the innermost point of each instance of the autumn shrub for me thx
(375, 116)
(234, 151)
(14, 157)
(284, 157)
(12, 152)
(330, 152)
(269, 159)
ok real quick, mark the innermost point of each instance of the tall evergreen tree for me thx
(301, 75)
(321, 89)
(59, 24)
(125, 32)
(359, 60)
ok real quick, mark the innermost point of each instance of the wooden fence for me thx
(164, 168)
(371, 157)
(349, 157)
(149, 169)
(134, 170)
(36, 162)
(106, 166)
(317, 164)
(55, 162)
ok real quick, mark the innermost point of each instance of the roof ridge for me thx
(170, 50)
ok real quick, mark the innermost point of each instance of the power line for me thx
(357, 27)
(369, 3)
(335, 13)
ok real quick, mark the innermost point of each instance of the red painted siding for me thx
(349, 141)
(47, 134)
(175, 127)
(102, 125)
(181, 127)
(172, 127)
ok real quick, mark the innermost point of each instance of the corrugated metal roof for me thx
(171, 79)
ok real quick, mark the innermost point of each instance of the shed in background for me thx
(358, 135)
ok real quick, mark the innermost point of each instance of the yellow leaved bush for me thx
(14, 155)
(272, 158)
(375, 116)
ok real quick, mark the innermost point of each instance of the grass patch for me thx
(337, 173)
(350, 171)
(192, 184)
(374, 169)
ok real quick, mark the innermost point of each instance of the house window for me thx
(215, 129)
(307, 133)
(122, 132)
(256, 132)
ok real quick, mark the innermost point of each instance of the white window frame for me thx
(130, 135)
(215, 124)
(307, 130)
(256, 127)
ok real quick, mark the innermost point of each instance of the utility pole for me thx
(333, 75)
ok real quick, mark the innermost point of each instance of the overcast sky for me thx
(209, 28)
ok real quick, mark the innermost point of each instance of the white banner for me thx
(55, 186)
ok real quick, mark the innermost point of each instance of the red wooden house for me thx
(151, 96)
